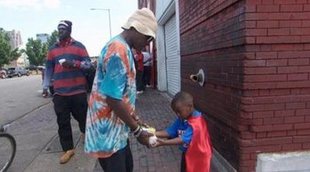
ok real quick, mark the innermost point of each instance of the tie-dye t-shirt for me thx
(115, 77)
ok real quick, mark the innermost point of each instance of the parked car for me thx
(32, 67)
(17, 71)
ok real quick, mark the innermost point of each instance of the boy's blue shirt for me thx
(181, 128)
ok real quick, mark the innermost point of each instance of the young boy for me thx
(189, 131)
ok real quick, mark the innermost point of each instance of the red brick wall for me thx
(276, 99)
(256, 54)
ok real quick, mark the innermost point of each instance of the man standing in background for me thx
(139, 70)
(147, 63)
(66, 62)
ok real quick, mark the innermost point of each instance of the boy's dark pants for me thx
(120, 161)
(147, 75)
(139, 81)
(64, 106)
(183, 165)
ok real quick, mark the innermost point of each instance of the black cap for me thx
(66, 24)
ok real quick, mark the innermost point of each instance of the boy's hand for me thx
(160, 142)
(152, 141)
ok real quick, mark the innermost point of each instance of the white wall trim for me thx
(177, 18)
(283, 162)
(168, 12)
(165, 10)
(161, 61)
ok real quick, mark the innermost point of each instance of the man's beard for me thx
(63, 37)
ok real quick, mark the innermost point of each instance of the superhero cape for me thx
(199, 153)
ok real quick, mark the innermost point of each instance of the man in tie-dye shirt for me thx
(111, 112)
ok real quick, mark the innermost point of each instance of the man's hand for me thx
(138, 120)
(144, 138)
(44, 93)
(68, 64)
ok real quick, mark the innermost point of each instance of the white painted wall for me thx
(161, 7)
(172, 57)
(283, 162)
(161, 62)
(164, 11)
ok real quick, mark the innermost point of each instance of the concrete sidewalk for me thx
(153, 108)
(38, 147)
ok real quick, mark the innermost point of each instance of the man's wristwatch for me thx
(137, 132)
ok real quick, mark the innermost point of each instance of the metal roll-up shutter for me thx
(172, 57)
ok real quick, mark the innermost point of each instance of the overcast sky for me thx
(91, 27)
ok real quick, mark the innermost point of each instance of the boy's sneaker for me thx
(139, 92)
(66, 156)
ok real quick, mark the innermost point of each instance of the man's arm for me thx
(147, 61)
(48, 73)
(146, 56)
(113, 87)
(122, 112)
(86, 62)
(83, 64)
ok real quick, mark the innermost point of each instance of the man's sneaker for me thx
(139, 92)
(66, 156)
(44, 94)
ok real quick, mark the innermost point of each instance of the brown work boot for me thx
(66, 156)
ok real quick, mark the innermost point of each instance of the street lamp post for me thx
(108, 10)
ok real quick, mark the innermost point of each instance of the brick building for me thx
(15, 39)
(256, 58)
(16, 42)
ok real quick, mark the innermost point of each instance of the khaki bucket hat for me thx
(144, 21)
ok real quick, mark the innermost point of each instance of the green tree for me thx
(36, 51)
(52, 39)
(7, 54)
